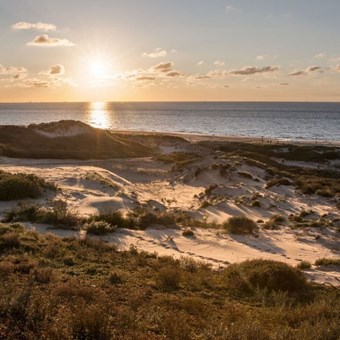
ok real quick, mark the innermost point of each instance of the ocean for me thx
(281, 120)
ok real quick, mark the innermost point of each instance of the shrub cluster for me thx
(21, 186)
(240, 225)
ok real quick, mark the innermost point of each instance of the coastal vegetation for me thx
(20, 186)
(84, 289)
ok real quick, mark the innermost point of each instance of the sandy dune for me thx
(212, 188)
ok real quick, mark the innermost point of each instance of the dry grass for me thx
(107, 294)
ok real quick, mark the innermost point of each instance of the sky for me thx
(169, 50)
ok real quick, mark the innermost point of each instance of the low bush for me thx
(57, 215)
(304, 265)
(169, 278)
(328, 262)
(99, 227)
(277, 182)
(21, 186)
(240, 225)
(246, 277)
(188, 233)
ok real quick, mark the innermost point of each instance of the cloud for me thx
(309, 69)
(45, 40)
(201, 62)
(320, 55)
(57, 70)
(12, 70)
(337, 68)
(313, 68)
(219, 62)
(297, 73)
(262, 57)
(39, 26)
(163, 67)
(202, 77)
(33, 82)
(283, 84)
(174, 74)
(156, 53)
(141, 78)
(229, 8)
(248, 70)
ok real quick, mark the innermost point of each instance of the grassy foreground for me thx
(52, 288)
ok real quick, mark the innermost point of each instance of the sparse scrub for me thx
(277, 182)
(188, 233)
(21, 186)
(104, 293)
(246, 277)
(169, 278)
(240, 225)
(304, 265)
(99, 227)
(57, 215)
(328, 262)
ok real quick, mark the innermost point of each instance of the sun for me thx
(99, 67)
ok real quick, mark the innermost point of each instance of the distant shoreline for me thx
(196, 137)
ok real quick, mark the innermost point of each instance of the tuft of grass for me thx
(246, 277)
(57, 215)
(304, 265)
(21, 186)
(328, 262)
(99, 227)
(188, 233)
(240, 225)
(169, 278)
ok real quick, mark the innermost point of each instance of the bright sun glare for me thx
(99, 67)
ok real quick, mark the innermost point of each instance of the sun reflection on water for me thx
(99, 115)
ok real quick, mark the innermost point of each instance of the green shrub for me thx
(304, 265)
(328, 262)
(21, 186)
(277, 182)
(246, 277)
(169, 278)
(114, 218)
(99, 227)
(57, 215)
(9, 240)
(188, 233)
(240, 225)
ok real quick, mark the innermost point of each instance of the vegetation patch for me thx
(240, 225)
(328, 262)
(21, 186)
(246, 277)
(107, 294)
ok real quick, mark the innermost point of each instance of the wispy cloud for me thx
(219, 63)
(12, 70)
(46, 41)
(163, 67)
(39, 26)
(320, 55)
(248, 70)
(229, 8)
(143, 78)
(174, 74)
(200, 63)
(262, 57)
(308, 70)
(55, 70)
(156, 53)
